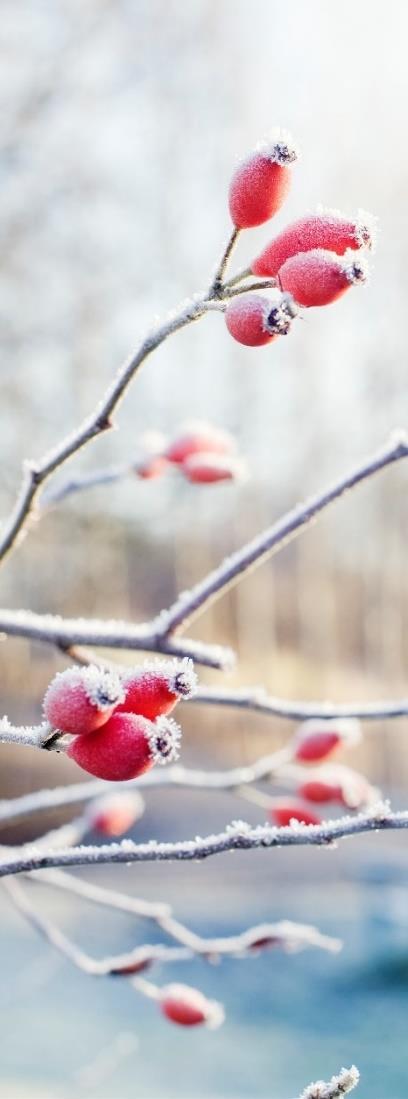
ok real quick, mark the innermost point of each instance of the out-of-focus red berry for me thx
(284, 810)
(189, 1007)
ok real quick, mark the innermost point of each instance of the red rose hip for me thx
(283, 811)
(254, 320)
(261, 182)
(80, 700)
(206, 469)
(319, 277)
(196, 437)
(329, 230)
(316, 740)
(126, 747)
(189, 1007)
(155, 688)
(114, 814)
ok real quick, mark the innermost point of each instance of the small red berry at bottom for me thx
(284, 811)
(126, 747)
(255, 320)
(189, 1007)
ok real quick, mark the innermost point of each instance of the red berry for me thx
(260, 183)
(126, 747)
(80, 700)
(283, 811)
(197, 437)
(155, 688)
(254, 320)
(339, 784)
(326, 229)
(114, 814)
(205, 469)
(320, 791)
(316, 740)
(189, 1007)
(318, 277)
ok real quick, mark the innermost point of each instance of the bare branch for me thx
(147, 637)
(36, 473)
(253, 553)
(237, 836)
(256, 699)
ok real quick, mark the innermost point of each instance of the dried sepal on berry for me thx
(126, 747)
(80, 700)
(189, 1007)
(261, 181)
(326, 229)
(319, 278)
(155, 688)
(255, 320)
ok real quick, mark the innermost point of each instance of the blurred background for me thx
(121, 124)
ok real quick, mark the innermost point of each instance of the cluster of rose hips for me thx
(311, 261)
(204, 454)
(314, 743)
(119, 724)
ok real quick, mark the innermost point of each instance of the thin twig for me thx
(253, 553)
(147, 637)
(217, 286)
(37, 472)
(259, 701)
(244, 273)
(237, 836)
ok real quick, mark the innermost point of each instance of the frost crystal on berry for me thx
(164, 740)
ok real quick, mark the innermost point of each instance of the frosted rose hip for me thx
(205, 469)
(255, 320)
(284, 810)
(80, 700)
(329, 230)
(319, 277)
(114, 814)
(197, 437)
(189, 1007)
(126, 747)
(155, 688)
(261, 182)
(317, 740)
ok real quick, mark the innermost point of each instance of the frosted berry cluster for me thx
(311, 262)
(118, 724)
(317, 782)
(203, 454)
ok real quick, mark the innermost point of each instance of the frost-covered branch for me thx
(37, 472)
(253, 553)
(338, 1086)
(239, 836)
(112, 634)
(259, 701)
(34, 736)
